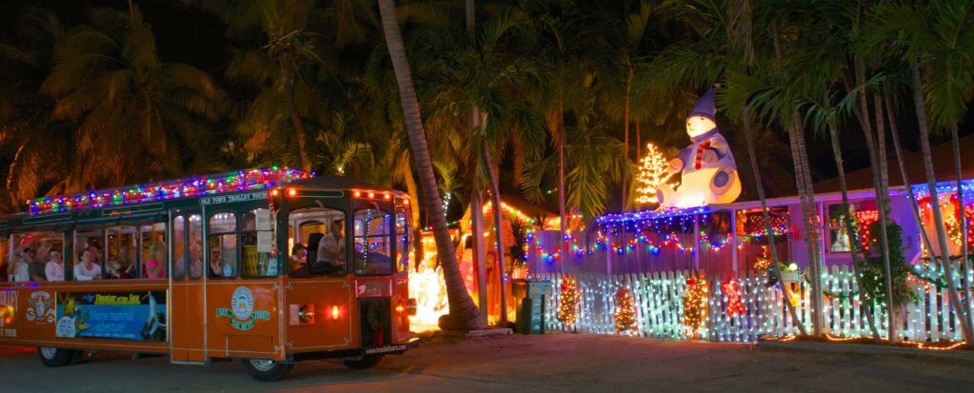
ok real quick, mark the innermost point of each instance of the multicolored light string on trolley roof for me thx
(242, 180)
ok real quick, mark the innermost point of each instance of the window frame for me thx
(240, 240)
(208, 233)
(137, 258)
(297, 236)
(386, 208)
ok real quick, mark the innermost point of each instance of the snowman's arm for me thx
(724, 156)
(678, 163)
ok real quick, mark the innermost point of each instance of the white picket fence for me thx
(658, 299)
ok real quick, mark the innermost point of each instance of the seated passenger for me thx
(35, 265)
(87, 270)
(297, 263)
(54, 270)
(331, 250)
(19, 271)
(216, 263)
(155, 267)
(122, 266)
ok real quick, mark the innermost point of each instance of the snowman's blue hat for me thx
(705, 106)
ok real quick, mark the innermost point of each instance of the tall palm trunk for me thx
(803, 182)
(498, 232)
(850, 228)
(292, 112)
(810, 211)
(464, 315)
(639, 144)
(946, 264)
(914, 207)
(625, 148)
(962, 219)
(884, 215)
(749, 137)
(413, 189)
(561, 185)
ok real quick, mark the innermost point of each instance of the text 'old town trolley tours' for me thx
(268, 265)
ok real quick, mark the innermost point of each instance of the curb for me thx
(479, 333)
(868, 350)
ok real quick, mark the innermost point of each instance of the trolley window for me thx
(178, 247)
(258, 244)
(195, 246)
(154, 251)
(372, 246)
(222, 244)
(121, 246)
(316, 238)
(38, 253)
(403, 234)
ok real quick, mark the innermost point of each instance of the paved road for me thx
(556, 362)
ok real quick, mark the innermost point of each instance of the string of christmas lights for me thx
(242, 180)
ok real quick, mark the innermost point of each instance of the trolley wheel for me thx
(55, 357)
(266, 370)
(365, 363)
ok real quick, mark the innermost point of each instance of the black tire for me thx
(55, 357)
(267, 370)
(367, 362)
(77, 356)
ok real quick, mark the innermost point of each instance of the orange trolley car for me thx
(269, 265)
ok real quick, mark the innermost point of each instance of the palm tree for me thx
(463, 314)
(933, 37)
(287, 43)
(109, 79)
(39, 146)
(825, 113)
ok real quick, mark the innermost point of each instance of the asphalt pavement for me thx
(554, 362)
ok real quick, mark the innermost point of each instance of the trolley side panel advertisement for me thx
(137, 316)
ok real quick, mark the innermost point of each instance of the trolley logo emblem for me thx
(41, 308)
(241, 314)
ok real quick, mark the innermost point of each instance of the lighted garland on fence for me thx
(568, 301)
(625, 312)
(695, 303)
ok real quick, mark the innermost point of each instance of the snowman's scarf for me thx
(698, 158)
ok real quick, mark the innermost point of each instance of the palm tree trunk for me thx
(796, 141)
(882, 198)
(965, 263)
(914, 207)
(749, 137)
(463, 314)
(938, 219)
(292, 112)
(561, 185)
(413, 189)
(850, 229)
(880, 191)
(810, 210)
(498, 231)
(639, 144)
(625, 148)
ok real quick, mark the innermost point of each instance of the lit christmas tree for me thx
(653, 172)
(695, 304)
(568, 301)
(625, 315)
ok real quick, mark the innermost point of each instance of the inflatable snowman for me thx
(709, 174)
